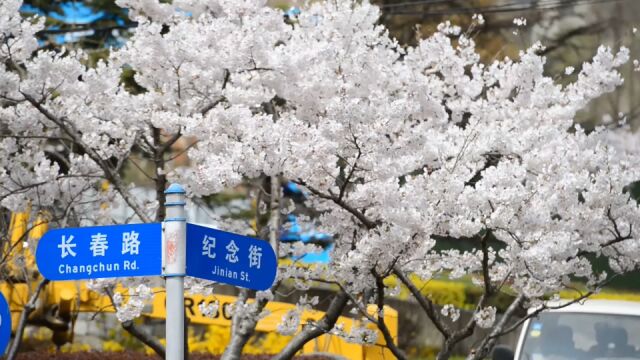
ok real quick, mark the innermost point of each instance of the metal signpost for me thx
(5, 324)
(174, 265)
(173, 249)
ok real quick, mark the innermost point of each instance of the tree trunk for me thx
(445, 351)
(244, 324)
(161, 178)
(240, 332)
(274, 218)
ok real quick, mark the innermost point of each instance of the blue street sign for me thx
(5, 324)
(230, 258)
(101, 252)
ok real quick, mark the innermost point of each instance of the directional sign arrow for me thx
(230, 258)
(101, 252)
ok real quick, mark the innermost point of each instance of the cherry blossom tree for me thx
(399, 149)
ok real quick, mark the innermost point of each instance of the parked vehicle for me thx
(593, 330)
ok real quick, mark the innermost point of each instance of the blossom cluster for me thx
(398, 147)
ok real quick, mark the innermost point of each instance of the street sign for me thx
(230, 258)
(5, 324)
(101, 252)
(172, 249)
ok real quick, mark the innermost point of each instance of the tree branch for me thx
(369, 224)
(29, 307)
(274, 217)
(545, 307)
(113, 177)
(242, 327)
(145, 338)
(205, 109)
(397, 352)
(459, 335)
(312, 331)
(426, 305)
(347, 180)
(558, 43)
(166, 145)
(159, 163)
(380, 324)
(488, 289)
(490, 341)
(84, 28)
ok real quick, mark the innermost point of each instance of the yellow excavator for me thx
(60, 302)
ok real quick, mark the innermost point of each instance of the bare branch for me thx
(489, 342)
(488, 289)
(132, 329)
(399, 354)
(205, 109)
(29, 307)
(312, 331)
(427, 306)
(368, 223)
(165, 146)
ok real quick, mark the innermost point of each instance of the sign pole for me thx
(174, 269)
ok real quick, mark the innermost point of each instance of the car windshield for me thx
(559, 336)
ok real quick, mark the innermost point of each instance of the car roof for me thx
(614, 307)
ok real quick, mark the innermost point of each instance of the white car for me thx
(595, 329)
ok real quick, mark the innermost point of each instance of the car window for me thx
(552, 336)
